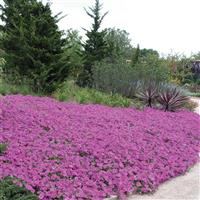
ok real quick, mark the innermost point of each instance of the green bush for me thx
(10, 191)
(151, 68)
(180, 69)
(118, 77)
(71, 92)
(122, 78)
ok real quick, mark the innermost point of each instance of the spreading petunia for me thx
(72, 151)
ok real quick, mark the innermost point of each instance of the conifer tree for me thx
(135, 57)
(74, 50)
(95, 46)
(33, 44)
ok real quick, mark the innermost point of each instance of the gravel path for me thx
(196, 99)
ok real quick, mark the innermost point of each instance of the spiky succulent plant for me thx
(148, 94)
(172, 99)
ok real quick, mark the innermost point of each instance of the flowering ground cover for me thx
(90, 152)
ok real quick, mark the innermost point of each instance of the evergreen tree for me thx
(135, 57)
(95, 46)
(33, 44)
(73, 49)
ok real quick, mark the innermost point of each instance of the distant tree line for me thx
(37, 53)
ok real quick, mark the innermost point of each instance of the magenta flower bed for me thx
(91, 151)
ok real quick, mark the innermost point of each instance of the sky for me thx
(168, 26)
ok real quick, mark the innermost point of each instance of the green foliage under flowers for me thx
(3, 148)
(71, 92)
(10, 191)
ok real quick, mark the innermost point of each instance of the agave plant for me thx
(172, 99)
(148, 94)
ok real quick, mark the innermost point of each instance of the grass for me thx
(71, 92)
(197, 94)
(6, 89)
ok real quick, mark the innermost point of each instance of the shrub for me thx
(151, 68)
(10, 191)
(148, 94)
(118, 77)
(125, 79)
(172, 99)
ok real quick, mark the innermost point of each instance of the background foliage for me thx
(95, 45)
(32, 44)
(73, 50)
(36, 57)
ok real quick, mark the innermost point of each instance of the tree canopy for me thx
(95, 46)
(33, 44)
(119, 43)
